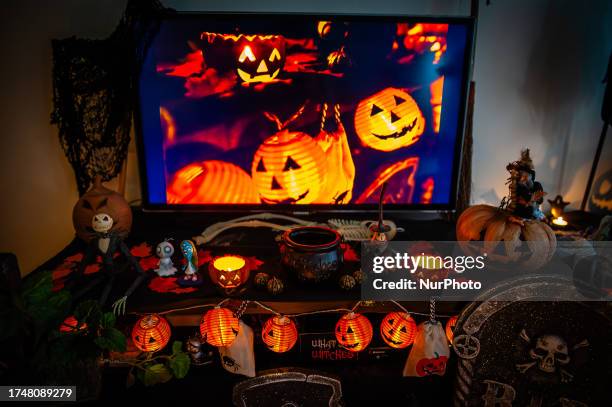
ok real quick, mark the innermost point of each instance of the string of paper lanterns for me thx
(219, 327)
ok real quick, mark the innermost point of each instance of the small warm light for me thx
(219, 326)
(559, 221)
(71, 324)
(229, 263)
(151, 333)
(279, 333)
(398, 329)
(450, 327)
(354, 332)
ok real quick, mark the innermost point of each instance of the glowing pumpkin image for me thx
(211, 182)
(289, 168)
(354, 332)
(388, 120)
(398, 329)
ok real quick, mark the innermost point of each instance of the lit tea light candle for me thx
(559, 221)
(229, 272)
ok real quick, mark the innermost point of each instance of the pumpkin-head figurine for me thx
(257, 57)
(97, 200)
(388, 120)
(289, 167)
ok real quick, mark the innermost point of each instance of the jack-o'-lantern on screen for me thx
(388, 120)
(256, 58)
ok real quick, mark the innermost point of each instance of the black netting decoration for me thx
(94, 92)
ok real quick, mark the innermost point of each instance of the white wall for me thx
(538, 70)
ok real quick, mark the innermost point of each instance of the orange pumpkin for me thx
(279, 333)
(398, 329)
(212, 182)
(504, 238)
(101, 199)
(289, 167)
(388, 120)
(219, 326)
(228, 272)
(354, 332)
(151, 333)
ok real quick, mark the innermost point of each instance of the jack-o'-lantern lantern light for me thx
(279, 333)
(388, 120)
(211, 182)
(151, 333)
(354, 332)
(229, 273)
(289, 167)
(450, 328)
(219, 326)
(398, 329)
(257, 57)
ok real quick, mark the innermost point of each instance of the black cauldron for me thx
(311, 253)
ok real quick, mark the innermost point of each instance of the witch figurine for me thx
(191, 276)
(526, 194)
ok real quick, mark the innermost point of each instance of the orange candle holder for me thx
(229, 273)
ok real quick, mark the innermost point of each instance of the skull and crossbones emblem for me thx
(549, 354)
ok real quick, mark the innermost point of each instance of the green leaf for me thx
(89, 312)
(155, 374)
(37, 288)
(108, 320)
(112, 339)
(180, 365)
(177, 347)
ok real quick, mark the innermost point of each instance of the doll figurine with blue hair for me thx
(191, 277)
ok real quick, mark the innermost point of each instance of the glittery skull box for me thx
(285, 109)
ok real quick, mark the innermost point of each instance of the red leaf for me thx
(142, 250)
(204, 256)
(254, 263)
(168, 285)
(92, 268)
(349, 253)
(75, 258)
(148, 263)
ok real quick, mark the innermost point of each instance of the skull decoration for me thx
(388, 120)
(551, 352)
(102, 223)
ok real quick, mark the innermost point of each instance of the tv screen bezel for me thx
(468, 22)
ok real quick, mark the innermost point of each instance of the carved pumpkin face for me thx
(289, 168)
(398, 329)
(354, 332)
(388, 120)
(101, 200)
(151, 333)
(260, 58)
(428, 367)
(229, 271)
(601, 197)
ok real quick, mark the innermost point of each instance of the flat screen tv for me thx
(284, 111)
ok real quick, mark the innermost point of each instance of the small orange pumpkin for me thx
(497, 227)
(354, 332)
(101, 199)
(388, 120)
(279, 333)
(289, 167)
(398, 329)
(212, 182)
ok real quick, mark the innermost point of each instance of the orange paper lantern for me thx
(151, 333)
(279, 333)
(354, 332)
(398, 329)
(219, 326)
(450, 327)
(388, 120)
(289, 167)
(71, 324)
(211, 182)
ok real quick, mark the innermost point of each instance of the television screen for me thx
(265, 110)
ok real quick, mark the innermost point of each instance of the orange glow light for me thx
(279, 333)
(219, 326)
(71, 324)
(151, 333)
(428, 188)
(229, 271)
(436, 89)
(354, 332)
(559, 221)
(168, 125)
(450, 327)
(398, 329)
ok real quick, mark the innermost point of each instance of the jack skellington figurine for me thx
(106, 243)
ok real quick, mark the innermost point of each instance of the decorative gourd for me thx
(500, 227)
(261, 279)
(100, 199)
(398, 329)
(347, 282)
(275, 286)
(388, 120)
(212, 182)
(289, 167)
